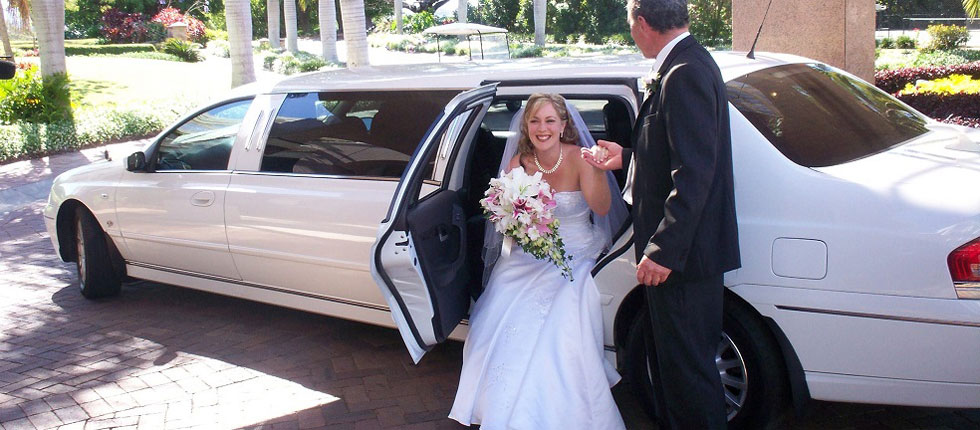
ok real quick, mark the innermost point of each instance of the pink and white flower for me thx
(521, 207)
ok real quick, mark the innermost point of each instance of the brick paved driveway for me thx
(160, 356)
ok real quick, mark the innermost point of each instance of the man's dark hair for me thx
(661, 15)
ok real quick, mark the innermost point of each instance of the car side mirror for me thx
(136, 162)
(7, 69)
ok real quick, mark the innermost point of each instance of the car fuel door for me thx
(419, 258)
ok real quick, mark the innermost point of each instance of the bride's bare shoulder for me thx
(514, 162)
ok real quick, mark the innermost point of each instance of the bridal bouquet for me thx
(521, 207)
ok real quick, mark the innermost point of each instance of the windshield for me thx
(817, 116)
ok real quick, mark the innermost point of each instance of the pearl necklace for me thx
(561, 155)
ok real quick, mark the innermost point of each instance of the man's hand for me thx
(610, 152)
(650, 273)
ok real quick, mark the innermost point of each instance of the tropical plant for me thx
(972, 8)
(181, 49)
(905, 42)
(28, 97)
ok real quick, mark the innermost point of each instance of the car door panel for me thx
(306, 233)
(174, 219)
(418, 260)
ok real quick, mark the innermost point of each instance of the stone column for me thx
(836, 32)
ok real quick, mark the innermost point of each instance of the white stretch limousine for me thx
(859, 218)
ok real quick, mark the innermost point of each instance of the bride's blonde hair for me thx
(569, 135)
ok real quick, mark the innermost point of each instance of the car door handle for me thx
(202, 198)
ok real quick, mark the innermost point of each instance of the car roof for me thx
(471, 74)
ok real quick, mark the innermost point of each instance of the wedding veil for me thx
(608, 225)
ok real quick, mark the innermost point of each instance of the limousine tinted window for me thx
(364, 134)
(203, 142)
(817, 116)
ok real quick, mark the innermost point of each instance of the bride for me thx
(533, 358)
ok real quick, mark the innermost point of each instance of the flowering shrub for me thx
(891, 81)
(122, 27)
(954, 84)
(948, 37)
(195, 28)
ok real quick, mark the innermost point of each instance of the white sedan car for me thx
(859, 219)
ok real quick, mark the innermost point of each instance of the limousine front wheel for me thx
(96, 277)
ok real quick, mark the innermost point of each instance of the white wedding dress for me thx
(534, 358)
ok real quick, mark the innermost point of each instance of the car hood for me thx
(97, 168)
(938, 172)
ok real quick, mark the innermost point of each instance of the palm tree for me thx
(49, 25)
(289, 10)
(461, 11)
(272, 17)
(23, 9)
(540, 9)
(238, 16)
(972, 8)
(398, 16)
(327, 14)
(7, 50)
(355, 34)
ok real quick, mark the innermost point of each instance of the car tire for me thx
(638, 372)
(96, 276)
(746, 348)
(765, 396)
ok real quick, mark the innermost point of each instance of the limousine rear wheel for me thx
(748, 362)
(96, 277)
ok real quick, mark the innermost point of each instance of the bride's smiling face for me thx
(544, 127)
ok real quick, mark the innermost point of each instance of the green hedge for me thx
(108, 49)
(89, 128)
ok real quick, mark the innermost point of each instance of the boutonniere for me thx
(651, 83)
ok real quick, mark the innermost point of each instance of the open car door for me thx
(419, 259)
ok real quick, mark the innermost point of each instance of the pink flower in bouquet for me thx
(521, 207)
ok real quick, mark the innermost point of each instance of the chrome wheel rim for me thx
(80, 251)
(734, 378)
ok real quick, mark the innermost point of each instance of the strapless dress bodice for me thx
(583, 241)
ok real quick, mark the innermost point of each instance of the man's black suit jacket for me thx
(683, 197)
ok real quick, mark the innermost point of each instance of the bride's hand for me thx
(605, 155)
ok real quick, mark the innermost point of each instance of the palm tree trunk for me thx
(540, 9)
(461, 11)
(398, 16)
(49, 24)
(289, 11)
(355, 34)
(327, 14)
(7, 50)
(238, 15)
(272, 17)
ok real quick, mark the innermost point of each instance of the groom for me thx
(679, 182)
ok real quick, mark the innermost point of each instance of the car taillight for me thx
(964, 267)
